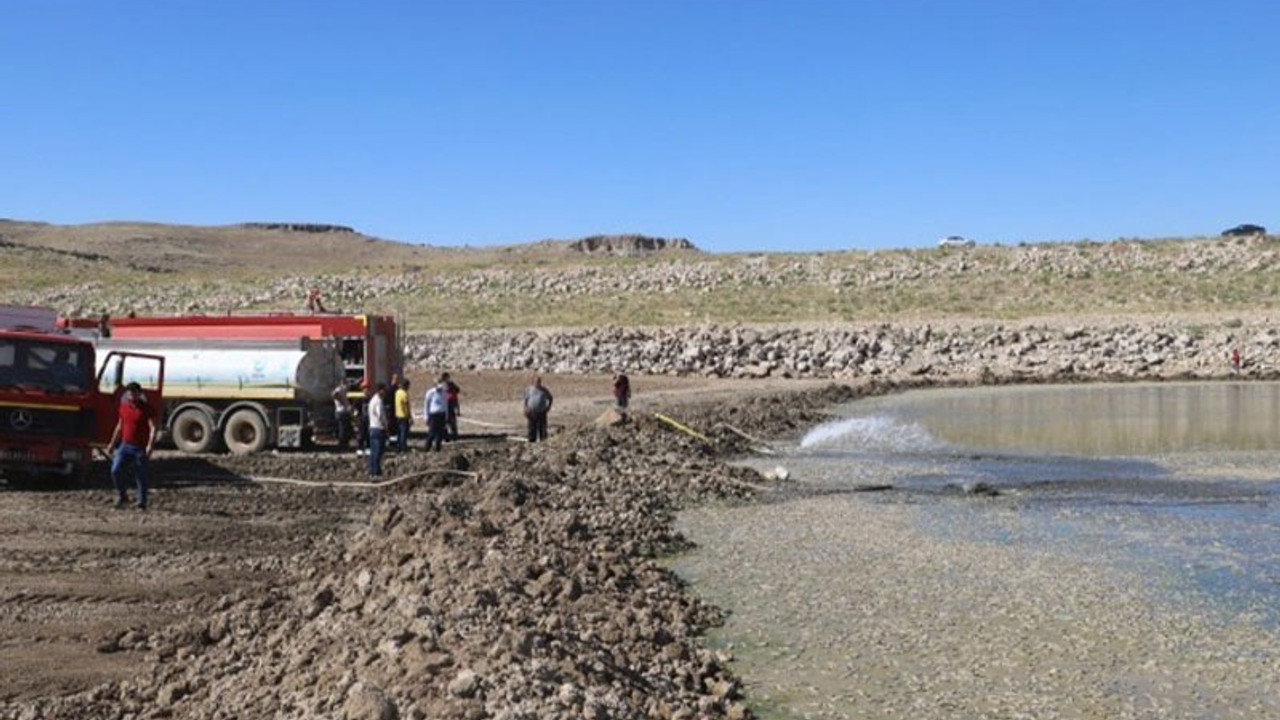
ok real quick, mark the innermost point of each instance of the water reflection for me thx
(1171, 488)
(1179, 476)
(1098, 420)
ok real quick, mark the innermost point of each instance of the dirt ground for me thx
(491, 400)
(78, 577)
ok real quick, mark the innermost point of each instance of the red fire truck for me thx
(55, 408)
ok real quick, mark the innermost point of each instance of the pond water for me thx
(1178, 477)
(1042, 551)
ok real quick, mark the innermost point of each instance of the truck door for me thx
(117, 370)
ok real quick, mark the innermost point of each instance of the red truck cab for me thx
(56, 403)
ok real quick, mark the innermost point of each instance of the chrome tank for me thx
(261, 370)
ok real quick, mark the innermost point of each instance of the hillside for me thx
(121, 267)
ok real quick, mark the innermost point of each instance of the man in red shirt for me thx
(135, 435)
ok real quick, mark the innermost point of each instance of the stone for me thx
(368, 702)
(465, 684)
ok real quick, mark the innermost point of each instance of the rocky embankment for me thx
(495, 582)
(943, 351)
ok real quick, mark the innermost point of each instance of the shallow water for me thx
(1182, 477)
(1165, 493)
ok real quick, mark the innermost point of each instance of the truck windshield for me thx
(49, 366)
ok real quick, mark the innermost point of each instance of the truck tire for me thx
(193, 431)
(245, 432)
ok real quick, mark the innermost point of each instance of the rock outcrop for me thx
(299, 227)
(628, 244)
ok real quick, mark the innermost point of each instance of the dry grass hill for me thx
(621, 280)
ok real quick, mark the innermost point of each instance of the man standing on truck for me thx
(314, 302)
(135, 435)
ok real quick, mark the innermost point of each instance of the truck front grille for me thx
(28, 420)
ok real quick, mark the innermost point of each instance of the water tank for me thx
(242, 369)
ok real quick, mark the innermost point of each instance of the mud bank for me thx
(498, 580)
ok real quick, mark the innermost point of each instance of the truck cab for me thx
(55, 409)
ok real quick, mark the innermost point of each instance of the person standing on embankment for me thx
(537, 405)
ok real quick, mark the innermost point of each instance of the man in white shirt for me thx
(377, 428)
(436, 406)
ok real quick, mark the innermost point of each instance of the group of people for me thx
(386, 408)
(385, 415)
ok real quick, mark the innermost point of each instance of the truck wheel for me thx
(245, 433)
(193, 431)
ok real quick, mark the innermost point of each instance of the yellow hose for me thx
(683, 428)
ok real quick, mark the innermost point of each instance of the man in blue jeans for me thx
(132, 440)
(377, 428)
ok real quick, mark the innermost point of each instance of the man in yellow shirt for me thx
(404, 415)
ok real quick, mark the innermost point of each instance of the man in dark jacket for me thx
(537, 404)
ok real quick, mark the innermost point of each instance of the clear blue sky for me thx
(739, 124)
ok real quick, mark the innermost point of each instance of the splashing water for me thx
(878, 433)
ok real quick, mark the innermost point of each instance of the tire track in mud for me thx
(77, 575)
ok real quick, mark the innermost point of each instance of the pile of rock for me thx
(507, 583)
(1031, 351)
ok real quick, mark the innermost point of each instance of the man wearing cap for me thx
(132, 440)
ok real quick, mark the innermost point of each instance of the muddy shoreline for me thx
(496, 579)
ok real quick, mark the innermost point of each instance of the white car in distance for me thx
(955, 241)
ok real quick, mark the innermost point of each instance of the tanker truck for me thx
(244, 396)
(371, 345)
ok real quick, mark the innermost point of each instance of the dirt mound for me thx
(497, 580)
